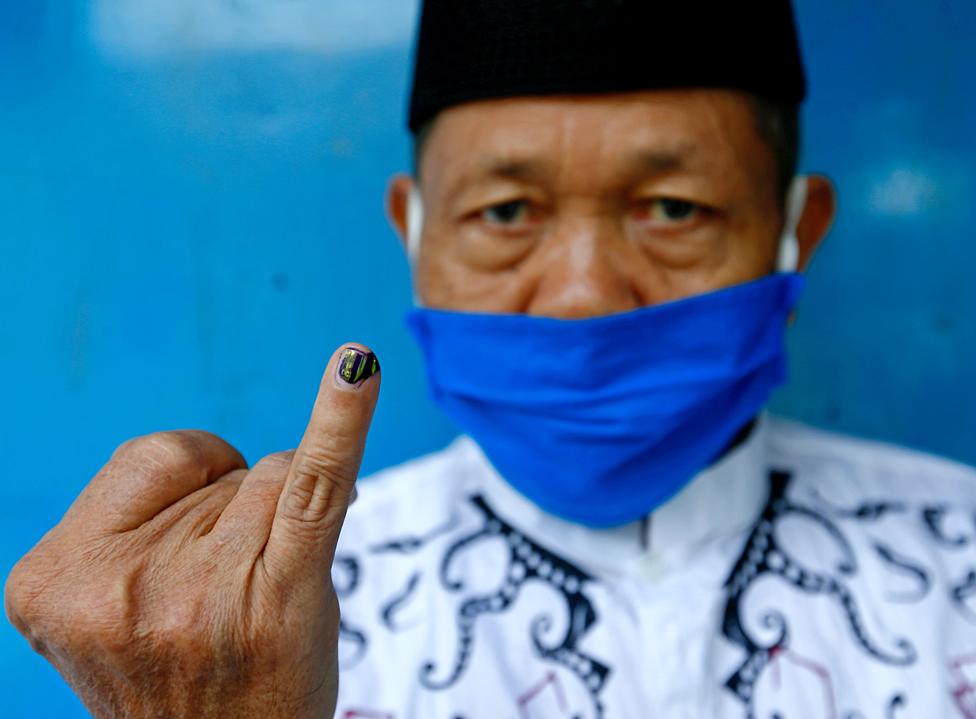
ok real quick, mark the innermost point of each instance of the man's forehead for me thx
(523, 164)
(641, 132)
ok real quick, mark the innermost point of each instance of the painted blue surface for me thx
(188, 227)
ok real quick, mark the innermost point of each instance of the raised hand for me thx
(182, 584)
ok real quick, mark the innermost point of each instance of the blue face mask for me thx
(602, 420)
(599, 421)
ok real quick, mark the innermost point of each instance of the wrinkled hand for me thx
(182, 584)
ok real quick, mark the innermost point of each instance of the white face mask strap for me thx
(789, 245)
(415, 228)
(415, 224)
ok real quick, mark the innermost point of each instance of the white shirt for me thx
(805, 575)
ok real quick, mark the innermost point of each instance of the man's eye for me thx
(665, 209)
(507, 213)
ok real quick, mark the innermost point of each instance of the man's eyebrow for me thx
(654, 161)
(659, 161)
(645, 161)
(509, 167)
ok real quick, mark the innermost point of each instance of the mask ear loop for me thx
(415, 228)
(789, 246)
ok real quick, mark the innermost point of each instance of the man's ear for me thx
(818, 216)
(397, 201)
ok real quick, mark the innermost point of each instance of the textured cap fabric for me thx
(479, 49)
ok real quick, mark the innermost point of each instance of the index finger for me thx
(312, 504)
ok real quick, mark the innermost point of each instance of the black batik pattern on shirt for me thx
(764, 556)
(527, 561)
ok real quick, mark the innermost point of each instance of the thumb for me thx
(322, 475)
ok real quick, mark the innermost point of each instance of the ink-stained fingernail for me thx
(356, 366)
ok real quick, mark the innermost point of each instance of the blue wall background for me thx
(191, 220)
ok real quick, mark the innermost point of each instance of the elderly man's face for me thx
(583, 206)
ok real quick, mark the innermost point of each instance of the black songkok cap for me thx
(479, 49)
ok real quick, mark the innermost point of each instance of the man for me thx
(604, 229)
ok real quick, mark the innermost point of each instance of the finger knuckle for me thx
(180, 629)
(316, 487)
(24, 585)
(131, 613)
(324, 462)
(311, 513)
(101, 618)
(174, 448)
(279, 461)
(166, 449)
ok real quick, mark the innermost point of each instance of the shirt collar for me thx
(717, 504)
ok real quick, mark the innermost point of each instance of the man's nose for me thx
(583, 273)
